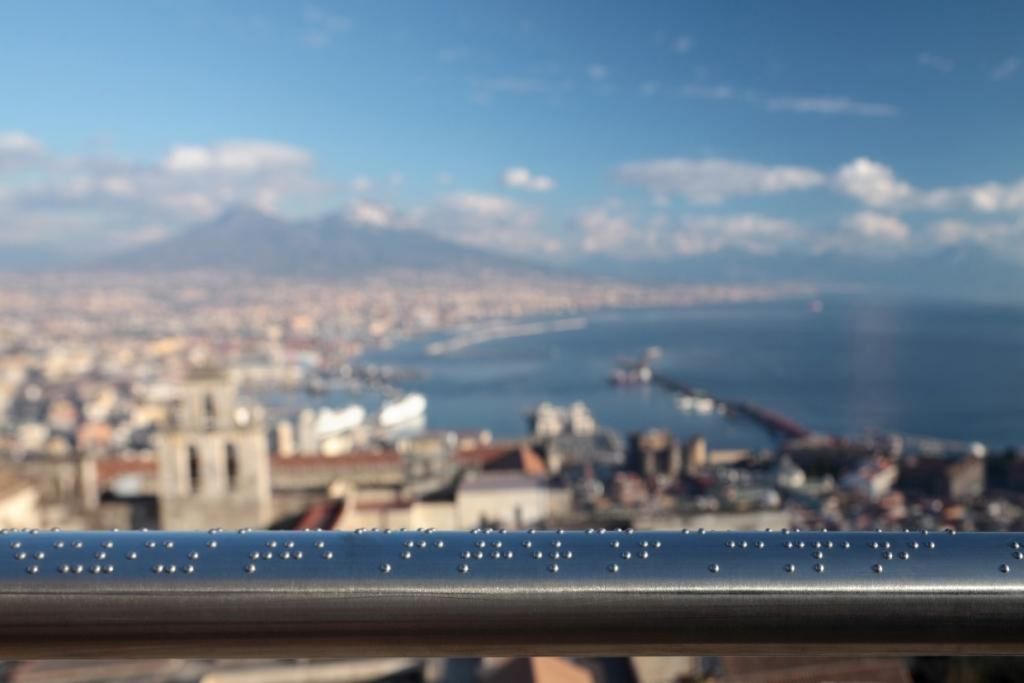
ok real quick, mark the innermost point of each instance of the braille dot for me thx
(297, 555)
(150, 544)
(527, 544)
(268, 555)
(538, 554)
(615, 544)
(497, 554)
(108, 544)
(109, 569)
(553, 568)
(878, 569)
(466, 554)
(171, 569)
(194, 555)
(627, 555)
(731, 544)
(412, 544)
(188, 569)
(713, 568)
(32, 569)
(904, 555)
(158, 569)
(406, 555)
(790, 568)
(819, 568)
(657, 544)
(168, 544)
(644, 554)
(58, 544)
(613, 568)
(290, 544)
(250, 569)
(1004, 568)
(15, 545)
(555, 555)
(509, 555)
(1018, 555)
(567, 554)
(20, 556)
(211, 544)
(817, 554)
(79, 569)
(479, 554)
(285, 555)
(760, 545)
(101, 555)
(887, 555)
(319, 544)
(463, 568)
(64, 569)
(931, 545)
(385, 568)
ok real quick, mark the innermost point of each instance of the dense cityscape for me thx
(134, 403)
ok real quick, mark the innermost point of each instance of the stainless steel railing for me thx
(327, 593)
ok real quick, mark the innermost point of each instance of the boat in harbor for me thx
(330, 422)
(402, 410)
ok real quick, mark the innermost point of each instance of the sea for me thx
(839, 366)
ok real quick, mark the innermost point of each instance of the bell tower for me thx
(214, 461)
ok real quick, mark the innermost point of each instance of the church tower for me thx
(214, 461)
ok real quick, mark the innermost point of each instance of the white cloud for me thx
(242, 156)
(18, 150)
(488, 221)
(522, 178)
(682, 44)
(1005, 69)
(372, 214)
(322, 27)
(597, 72)
(830, 105)
(749, 232)
(872, 182)
(837, 105)
(103, 202)
(872, 225)
(14, 141)
(361, 184)
(603, 228)
(936, 62)
(711, 181)
(1003, 237)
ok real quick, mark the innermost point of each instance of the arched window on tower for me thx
(209, 408)
(232, 464)
(193, 468)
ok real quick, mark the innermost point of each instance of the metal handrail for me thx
(329, 593)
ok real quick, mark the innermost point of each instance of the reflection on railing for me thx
(425, 592)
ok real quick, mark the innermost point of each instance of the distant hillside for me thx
(967, 272)
(252, 242)
(23, 259)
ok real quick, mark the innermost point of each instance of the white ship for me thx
(702, 405)
(333, 422)
(402, 410)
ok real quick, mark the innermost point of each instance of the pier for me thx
(776, 424)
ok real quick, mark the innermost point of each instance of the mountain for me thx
(244, 240)
(961, 272)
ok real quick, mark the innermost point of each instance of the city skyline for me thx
(554, 133)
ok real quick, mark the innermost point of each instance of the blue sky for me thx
(556, 129)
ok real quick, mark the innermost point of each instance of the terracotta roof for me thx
(360, 458)
(108, 469)
(506, 456)
(321, 515)
(541, 670)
